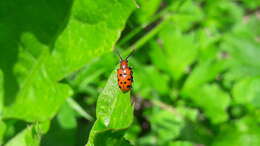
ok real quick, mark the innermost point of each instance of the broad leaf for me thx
(45, 42)
(114, 113)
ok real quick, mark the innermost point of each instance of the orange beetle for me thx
(125, 74)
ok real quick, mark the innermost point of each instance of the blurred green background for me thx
(196, 70)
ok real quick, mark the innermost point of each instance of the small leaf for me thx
(114, 112)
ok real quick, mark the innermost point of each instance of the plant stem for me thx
(166, 11)
(141, 27)
(74, 105)
(149, 35)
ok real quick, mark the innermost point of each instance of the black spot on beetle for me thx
(129, 79)
(121, 82)
(124, 82)
(120, 75)
(128, 86)
(125, 74)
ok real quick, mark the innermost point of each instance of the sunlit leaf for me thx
(57, 42)
(114, 114)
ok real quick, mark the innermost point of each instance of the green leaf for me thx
(36, 88)
(213, 101)
(67, 117)
(91, 72)
(222, 15)
(181, 143)
(206, 71)
(243, 132)
(207, 39)
(92, 30)
(166, 125)
(167, 122)
(179, 50)
(132, 132)
(49, 41)
(65, 135)
(146, 87)
(110, 137)
(43, 127)
(189, 13)
(247, 91)
(251, 4)
(2, 131)
(1, 93)
(114, 112)
(146, 10)
(27, 137)
(242, 48)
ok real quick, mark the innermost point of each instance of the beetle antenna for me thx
(119, 55)
(130, 54)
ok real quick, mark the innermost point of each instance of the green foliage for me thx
(180, 50)
(196, 72)
(146, 10)
(241, 132)
(42, 42)
(114, 113)
(25, 138)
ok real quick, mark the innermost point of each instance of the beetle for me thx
(125, 74)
